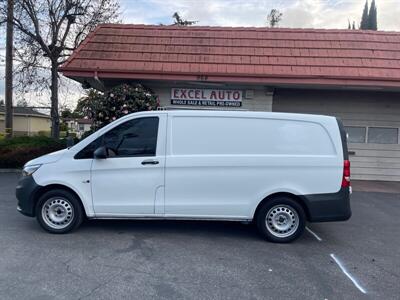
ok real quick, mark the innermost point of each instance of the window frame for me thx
(367, 133)
(356, 126)
(385, 127)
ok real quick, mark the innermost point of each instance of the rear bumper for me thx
(328, 207)
(24, 192)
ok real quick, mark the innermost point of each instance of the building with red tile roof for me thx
(352, 74)
(250, 55)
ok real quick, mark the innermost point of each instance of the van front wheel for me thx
(59, 211)
(281, 220)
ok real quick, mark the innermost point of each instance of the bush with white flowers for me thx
(103, 108)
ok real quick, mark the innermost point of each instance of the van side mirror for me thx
(100, 153)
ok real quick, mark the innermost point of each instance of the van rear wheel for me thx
(59, 211)
(281, 220)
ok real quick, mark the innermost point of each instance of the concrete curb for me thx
(10, 170)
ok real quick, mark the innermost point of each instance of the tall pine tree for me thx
(365, 19)
(372, 17)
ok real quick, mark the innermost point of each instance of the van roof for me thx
(247, 114)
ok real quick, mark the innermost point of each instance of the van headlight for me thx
(29, 170)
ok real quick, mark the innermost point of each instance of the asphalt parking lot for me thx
(358, 259)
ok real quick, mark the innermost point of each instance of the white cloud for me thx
(296, 13)
(389, 14)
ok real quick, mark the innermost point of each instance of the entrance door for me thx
(127, 182)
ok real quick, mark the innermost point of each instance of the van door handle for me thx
(150, 162)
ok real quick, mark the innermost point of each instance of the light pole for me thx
(9, 67)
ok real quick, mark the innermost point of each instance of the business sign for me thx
(206, 97)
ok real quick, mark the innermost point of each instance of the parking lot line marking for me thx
(355, 282)
(314, 234)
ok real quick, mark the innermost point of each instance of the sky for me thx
(296, 14)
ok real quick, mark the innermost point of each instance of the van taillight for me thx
(346, 173)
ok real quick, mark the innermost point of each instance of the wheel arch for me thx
(49, 187)
(296, 198)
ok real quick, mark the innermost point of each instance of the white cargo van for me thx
(278, 170)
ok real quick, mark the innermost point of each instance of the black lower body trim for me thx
(24, 192)
(328, 207)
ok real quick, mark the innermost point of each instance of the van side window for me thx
(137, 137)
(87, 152)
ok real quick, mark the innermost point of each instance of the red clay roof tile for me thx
(259, 55)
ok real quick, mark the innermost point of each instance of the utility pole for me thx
(9, 70)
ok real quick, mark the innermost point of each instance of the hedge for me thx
(15, 152)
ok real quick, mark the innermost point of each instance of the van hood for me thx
(47, 158)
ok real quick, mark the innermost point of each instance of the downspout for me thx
(98, 81)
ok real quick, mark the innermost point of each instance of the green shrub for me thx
(86, 134)
(29, 141)
(44, 133)
(72, 134)
(15, 152)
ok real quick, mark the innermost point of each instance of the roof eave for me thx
(342, 82)
(28, 115)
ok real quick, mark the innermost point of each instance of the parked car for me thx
(276, 169)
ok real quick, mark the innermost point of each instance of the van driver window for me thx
(137, 137)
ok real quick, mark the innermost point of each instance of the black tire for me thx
(292, 212)
(70, 206)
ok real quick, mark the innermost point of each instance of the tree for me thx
(181, 22)
(364, 18)
(103, 108)
(22, 103)
(3, 16)
(66, 113)
(369, 19)
(47, 31)
(372, 17)
(87, 105)
(351, 26)
(274, 17)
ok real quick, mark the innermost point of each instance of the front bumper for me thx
(329, 207)
(25, 191)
